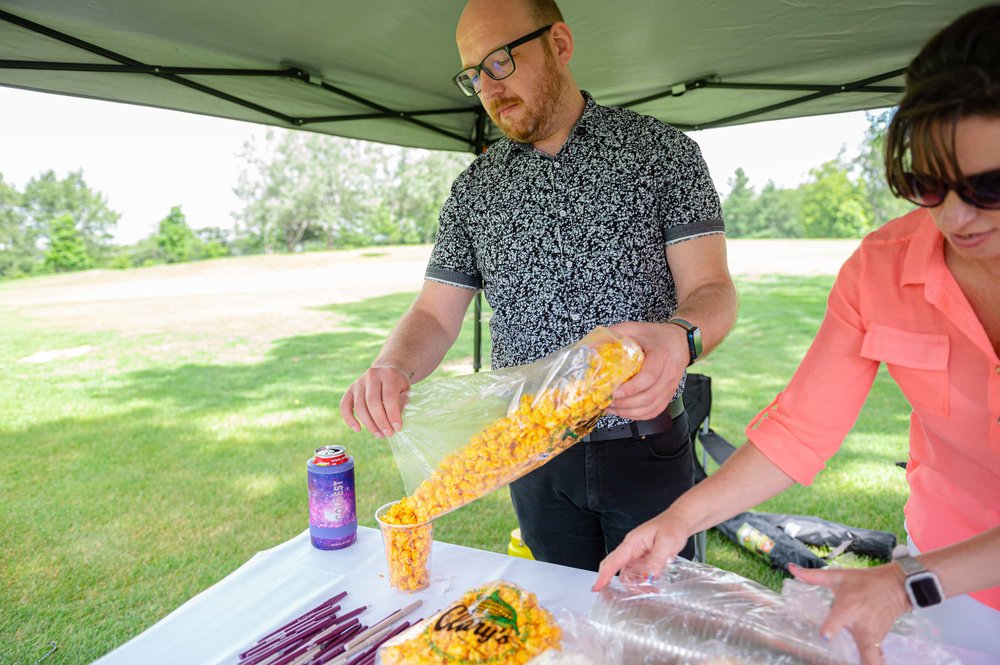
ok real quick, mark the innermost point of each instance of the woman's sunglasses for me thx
(981, 190)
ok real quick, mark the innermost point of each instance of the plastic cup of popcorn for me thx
(407, 551)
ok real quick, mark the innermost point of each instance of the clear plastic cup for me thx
(407, 552)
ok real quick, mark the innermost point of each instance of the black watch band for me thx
(693, 338)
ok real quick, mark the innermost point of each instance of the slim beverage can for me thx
(333, 517)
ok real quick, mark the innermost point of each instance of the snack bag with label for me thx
(498, 623)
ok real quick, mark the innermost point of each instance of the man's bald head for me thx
(521, 12)
(537, 101)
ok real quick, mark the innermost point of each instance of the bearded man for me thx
(582, 216)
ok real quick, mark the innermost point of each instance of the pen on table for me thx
(306, 652)
(327, 649)
(353, 651)
(369, 652)
(398, 614)
(325, 603)
(334, 644)
(366, 635)
(297, 627)
(290, 642)
(293, 640)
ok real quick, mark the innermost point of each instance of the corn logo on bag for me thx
(497, 623)
(466, 436)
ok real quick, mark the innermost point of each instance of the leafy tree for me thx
(213, 242)
(302, 190)
(833, 206)
(870, 163)
(774, 213)
(175, 239)
(19, 254)
(739, 208)
(424, 181)
(67, 250)
(778, 213)
(47, 198)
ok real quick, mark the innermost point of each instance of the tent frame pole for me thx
(479, 147)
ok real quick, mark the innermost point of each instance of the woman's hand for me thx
(645, 552)
(866, 602)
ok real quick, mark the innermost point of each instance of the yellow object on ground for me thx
(516, 547)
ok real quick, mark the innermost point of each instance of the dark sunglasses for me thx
(498, 65)
(981, 190)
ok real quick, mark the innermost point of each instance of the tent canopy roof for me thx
(381, 70)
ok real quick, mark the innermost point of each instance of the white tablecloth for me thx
(279, 584)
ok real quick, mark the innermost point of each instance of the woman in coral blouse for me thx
(922, 295)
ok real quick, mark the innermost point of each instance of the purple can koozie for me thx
(333, 517)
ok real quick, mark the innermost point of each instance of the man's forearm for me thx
(416, 345)
(712, 307)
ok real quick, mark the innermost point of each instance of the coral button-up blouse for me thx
(896, 302)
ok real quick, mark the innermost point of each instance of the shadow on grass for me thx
(180, 473)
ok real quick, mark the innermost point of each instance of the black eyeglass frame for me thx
(970, 190)
(479, 69)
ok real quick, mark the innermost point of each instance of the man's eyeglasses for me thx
(498, 65)
(981, 190)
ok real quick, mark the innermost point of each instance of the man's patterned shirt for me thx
(563, 244)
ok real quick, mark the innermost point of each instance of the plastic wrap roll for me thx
(699, 614)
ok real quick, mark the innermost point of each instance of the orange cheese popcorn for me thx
(498, 623)
(407, 546)
(539, 427)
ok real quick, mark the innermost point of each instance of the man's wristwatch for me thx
(922, 586)
(693, 335)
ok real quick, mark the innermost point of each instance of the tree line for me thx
(302, 191)
(840, 199)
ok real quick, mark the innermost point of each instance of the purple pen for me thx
(297, 637)
(298, 619)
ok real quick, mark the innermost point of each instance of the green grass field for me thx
(144, 470)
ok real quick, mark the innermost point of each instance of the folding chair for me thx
(788, 534)
(698, 404)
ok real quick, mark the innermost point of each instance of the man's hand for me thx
(866, 602)
(645, 552)
(647, 394)
(377, 400)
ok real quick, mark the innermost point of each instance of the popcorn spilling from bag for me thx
(540, 427)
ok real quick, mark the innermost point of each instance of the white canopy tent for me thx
(381, 70)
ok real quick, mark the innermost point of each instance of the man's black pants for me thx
(580, 505)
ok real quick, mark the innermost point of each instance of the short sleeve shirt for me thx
(562, 244)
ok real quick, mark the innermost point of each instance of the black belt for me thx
(658, 425)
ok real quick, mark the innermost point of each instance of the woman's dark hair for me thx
(955, 75)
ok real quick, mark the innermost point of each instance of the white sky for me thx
(147, 160)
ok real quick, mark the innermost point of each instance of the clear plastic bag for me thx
(466, 436)
(696, 613)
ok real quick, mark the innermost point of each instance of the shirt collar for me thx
(924, 257)
(588, 123)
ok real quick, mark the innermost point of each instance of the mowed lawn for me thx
(139, 467)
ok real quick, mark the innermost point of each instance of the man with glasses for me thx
(582, 216)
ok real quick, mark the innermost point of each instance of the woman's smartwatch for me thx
(693, 335)
(922, 586)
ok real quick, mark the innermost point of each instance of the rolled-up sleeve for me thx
(453, 260)
(691, 205)
(807, 422)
